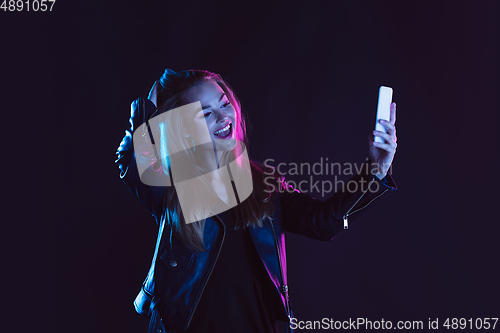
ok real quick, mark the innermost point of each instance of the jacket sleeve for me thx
(127, 159)
(322, 220)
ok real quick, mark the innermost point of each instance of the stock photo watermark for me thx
(323, 168)
(382, 324)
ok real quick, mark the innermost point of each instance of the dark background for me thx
(307, 74)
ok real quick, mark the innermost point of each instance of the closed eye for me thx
(222, 106)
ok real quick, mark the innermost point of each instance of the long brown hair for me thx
(251, 211)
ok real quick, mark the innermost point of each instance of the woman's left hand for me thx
(382, 154)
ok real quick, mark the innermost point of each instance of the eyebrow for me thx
(208, 106)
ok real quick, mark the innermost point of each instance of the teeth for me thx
(223, 129)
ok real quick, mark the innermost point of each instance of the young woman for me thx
(220, 263)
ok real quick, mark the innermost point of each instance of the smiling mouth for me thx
(224, 132)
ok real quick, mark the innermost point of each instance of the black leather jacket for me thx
(177, 277)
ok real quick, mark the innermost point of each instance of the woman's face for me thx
(217, 113)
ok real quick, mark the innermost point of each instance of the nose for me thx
(221, 116)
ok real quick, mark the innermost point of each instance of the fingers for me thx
(392, 118)
(390, 141)
(391, 129)
(391, 148)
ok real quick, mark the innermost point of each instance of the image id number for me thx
(27, 5)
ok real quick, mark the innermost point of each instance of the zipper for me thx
(349, 213)
(284, 287)
(210, 274)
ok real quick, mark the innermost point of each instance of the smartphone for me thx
(383, 109)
